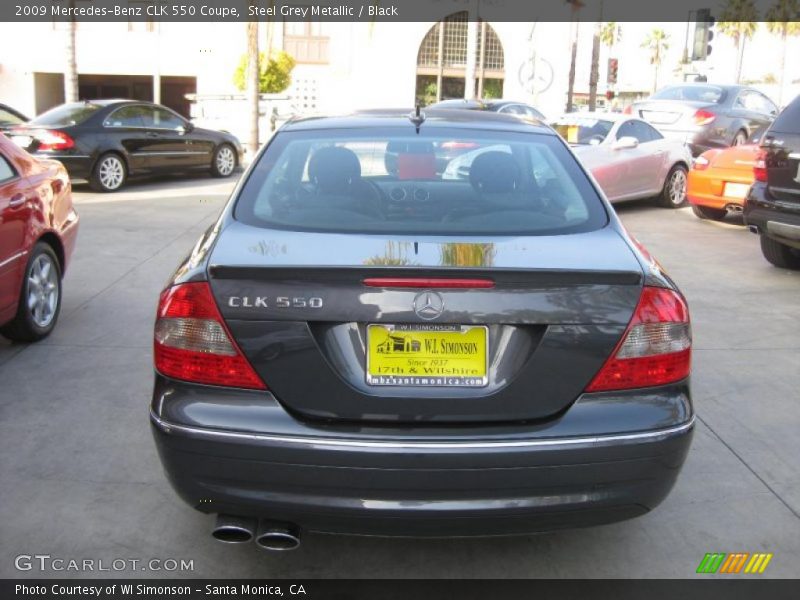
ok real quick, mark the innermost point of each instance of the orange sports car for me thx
(720, 179)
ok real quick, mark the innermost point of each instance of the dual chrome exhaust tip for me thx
(276, 536)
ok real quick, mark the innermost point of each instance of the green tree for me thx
(657, 43)
(782, 20)
(274, 74)
(610, 34)
(738, 20)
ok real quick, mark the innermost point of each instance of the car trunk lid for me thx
(298, 307)
(670, 113)
(738, 158)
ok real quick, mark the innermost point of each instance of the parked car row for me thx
(107, 141)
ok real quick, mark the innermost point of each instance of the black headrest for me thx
(333, 168)
(494, 172)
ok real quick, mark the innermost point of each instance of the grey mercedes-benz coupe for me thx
(361, 346)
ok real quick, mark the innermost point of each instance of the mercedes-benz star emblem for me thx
(428, 305)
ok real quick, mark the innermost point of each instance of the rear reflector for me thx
(192, 343)
(656, 347)
(423, 282)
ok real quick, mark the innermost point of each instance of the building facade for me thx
(342, 66)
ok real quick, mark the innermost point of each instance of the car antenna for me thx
(417, 117)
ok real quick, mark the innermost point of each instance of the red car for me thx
(38, 228)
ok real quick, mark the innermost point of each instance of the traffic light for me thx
(610, 95)
(613, 66)
(703, 34)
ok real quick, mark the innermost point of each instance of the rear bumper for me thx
(777, 219)
(79, 166)
(363, 480)
(706, 188)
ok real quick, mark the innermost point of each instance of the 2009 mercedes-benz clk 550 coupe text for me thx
(361, 346)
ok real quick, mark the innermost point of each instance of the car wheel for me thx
(109, 173)
(40, 299)
(224, 161)
(740, 138)
(706, 212)
(674, 192)
(779, 254)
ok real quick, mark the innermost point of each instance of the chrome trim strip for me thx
(315, 441)
(176, 153)
(12, 258)
(784, 190)
(43, 154)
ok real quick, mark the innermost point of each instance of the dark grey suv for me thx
(365, 349)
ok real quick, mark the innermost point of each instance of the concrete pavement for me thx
(81, 479)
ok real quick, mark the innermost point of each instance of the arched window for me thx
(442, 60)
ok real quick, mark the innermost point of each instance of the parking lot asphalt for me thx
(80, 478)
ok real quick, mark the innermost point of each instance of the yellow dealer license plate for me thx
(427, 355)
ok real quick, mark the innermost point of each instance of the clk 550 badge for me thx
(277, 302)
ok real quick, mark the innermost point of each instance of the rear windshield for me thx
(9, 118)
(437, 182)
(789, 119)
(66, 115)
(583, 130)
(694, 93)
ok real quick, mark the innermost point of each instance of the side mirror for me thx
(187, 127)
(625, 143)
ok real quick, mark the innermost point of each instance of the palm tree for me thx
(657, 42)
(610, 34)
(253, 83)
(594, 73)
(782, 19)
(575, 6)
(738, 21)
(71, 70)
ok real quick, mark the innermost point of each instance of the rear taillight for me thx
(703, 117)
(54, 140)
(700, 163)
(760, 167)
(656, 348)
(192, 342)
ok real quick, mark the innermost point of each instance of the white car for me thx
(628, 157)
